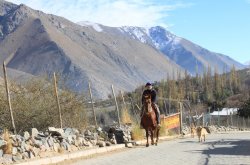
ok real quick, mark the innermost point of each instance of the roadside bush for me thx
(137, 133)
(244, 111)
(34, 105)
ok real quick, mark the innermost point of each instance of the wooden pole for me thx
(92, 105)
(203, 120)
(133, 109)
(116, 106)
(209, 109)
(57, 100)
(8, 97)
(123, 100)
(180, 104)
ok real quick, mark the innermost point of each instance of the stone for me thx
(2, 143)
(129, 145)
(43, 148)
(87, 133)
(68, 131)
(50, 142)
(99, 129)
(79, 141)
(113, 141)
(7, 158)
(25, 155)
(31, 155)
(56, 131)
(27, 147)
(93, 142)
(41, 134)
(71, 131)
(17, 158)
(56, 147)
(20, 149)
(26, 135)
(37, 143)
(22, 145)
(101, 143)
(34, 132)
(65, 145)
(73, 148)
(88, 144)
(108, 144)
(14, 151)
(35, 151)
(70, 139)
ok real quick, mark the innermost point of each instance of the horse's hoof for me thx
(155, 144)
(147, 145)
(152, 144)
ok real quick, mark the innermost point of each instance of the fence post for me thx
(123, 100)
(209, 110)
(133, 109)
(116, 106)
(180, 104)
(92, 105)
(238, 122)
(248, 126)
(227, 118)
(243, 121)
(218, 117)
(8, 97)
(231, 116)
(57, 100)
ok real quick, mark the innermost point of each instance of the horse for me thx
(148, 120)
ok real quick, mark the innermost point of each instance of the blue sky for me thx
(221, 26)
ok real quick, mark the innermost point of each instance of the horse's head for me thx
(147, 103)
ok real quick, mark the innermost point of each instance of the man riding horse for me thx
(150, 91)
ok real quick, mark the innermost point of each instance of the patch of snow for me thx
(135, 32)
(247, 63)
(95, 26)
(176, 40)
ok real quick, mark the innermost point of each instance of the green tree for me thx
(244, 111)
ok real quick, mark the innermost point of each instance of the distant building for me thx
(225, 112)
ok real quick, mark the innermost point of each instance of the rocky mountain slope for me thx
(39, 44)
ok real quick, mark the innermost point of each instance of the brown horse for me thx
(148, 120)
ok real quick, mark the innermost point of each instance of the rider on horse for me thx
(150, 91)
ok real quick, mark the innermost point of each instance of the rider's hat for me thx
(148, 84)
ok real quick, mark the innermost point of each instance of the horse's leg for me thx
(152, 136)
(147, 137)
(157, 135)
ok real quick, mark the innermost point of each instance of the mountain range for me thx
(36, 44)
(186, 54)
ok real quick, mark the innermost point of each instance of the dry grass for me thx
(125, 116)
(7, 149)
(163, 132)
(137, 133)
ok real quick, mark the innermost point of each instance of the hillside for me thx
(39, 44)
(188, 55)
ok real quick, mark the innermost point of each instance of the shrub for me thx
(137, 133)
(34, 105)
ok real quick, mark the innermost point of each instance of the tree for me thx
(244, 111)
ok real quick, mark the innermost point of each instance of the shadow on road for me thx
(231, 147)
(228, 147)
